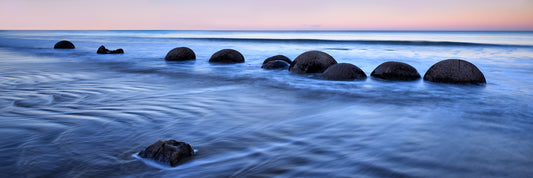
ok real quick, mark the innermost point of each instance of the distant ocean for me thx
(74, 113)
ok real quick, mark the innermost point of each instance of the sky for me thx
(266, 15)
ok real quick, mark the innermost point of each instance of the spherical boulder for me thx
(227, 56)
(395, 71)
(64, 44)
(275, 64)
(169, 152)
(343, 71)
(454, 71)
(277, 57)
(180, 54)
(311, 62)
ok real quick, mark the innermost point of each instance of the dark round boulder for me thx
(275, 64)
(395, 71)
(311, 62)
(227, 56)
(454, 71)
(64, 45)
(180, 54)
(169, 152)
(343, 71)
(277, 57)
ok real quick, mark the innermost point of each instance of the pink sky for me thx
(267, 15)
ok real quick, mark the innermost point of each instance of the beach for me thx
(75, 113)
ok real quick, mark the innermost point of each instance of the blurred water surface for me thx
(69, 113)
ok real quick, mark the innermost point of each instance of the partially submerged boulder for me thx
(395, 71)
(117, 51)
(227, 56)
(64, 44)
(180, 54)
(343, 71)
(169, 152)
(311, 62)
(103, 50)
(455, 71)
(276, 64)
(277, 57)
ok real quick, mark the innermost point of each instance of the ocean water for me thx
(73, 113)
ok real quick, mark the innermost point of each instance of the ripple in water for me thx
(75, 114)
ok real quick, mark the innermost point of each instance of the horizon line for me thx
(338, 30)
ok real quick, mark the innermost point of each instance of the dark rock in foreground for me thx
(103, 50)
(180, 54)
(64, 45)
(454, 71)
(312, 62)
(170, 152)
(343, 71)
(277, 57)
(276, 64)
(395, 71)
(227, 56)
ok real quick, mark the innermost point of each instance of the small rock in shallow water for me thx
(170, 152)
(275, 64)
(64, 45)
(103, 50)
(117, 51)
(277, 57)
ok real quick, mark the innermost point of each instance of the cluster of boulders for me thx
(172, 152)
(64, 44)
(446, 71)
